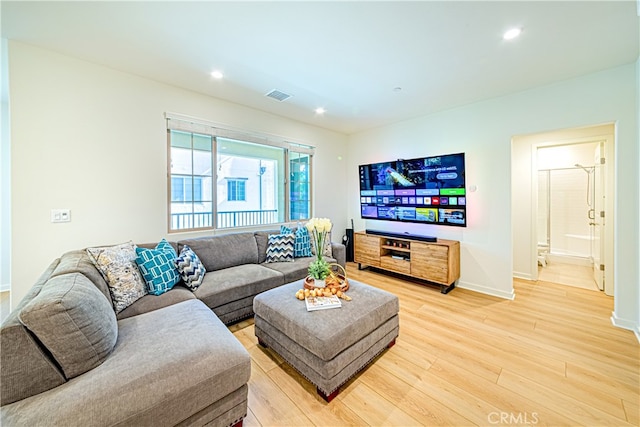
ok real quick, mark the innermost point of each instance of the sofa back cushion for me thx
(74, 321)
(262, 241)
(78, 261)
(224, 251)
(173, 244)
(27, 368)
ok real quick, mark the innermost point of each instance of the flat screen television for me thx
(428, 190)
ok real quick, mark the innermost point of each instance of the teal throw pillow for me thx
(190, 268)
(158, 267)
(285, 230)
(302, 243)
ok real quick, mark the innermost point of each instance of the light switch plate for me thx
(60, 215)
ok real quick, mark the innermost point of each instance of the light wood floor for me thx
(568, 274)
(550, 357)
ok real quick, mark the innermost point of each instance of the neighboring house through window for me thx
(236, 189)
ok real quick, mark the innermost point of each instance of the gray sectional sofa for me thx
(67, 359)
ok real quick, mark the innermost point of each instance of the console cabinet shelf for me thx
(437, 262)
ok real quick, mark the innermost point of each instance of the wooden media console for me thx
(437, 262)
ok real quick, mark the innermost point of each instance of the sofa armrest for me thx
(339, 252)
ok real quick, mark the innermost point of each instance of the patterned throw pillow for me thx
(158, 267)
(190, 268)
(280, 248)
(117, 264)
(302, 243)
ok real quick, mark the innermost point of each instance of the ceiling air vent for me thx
(278, 95)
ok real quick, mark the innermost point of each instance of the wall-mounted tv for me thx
(428, 190)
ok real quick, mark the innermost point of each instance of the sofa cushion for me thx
(167, 365)
(234, 283)
(174, 245)
(190, 268)
(149, 303)
(74, 322)
(79, 261)
(28, 368)
(223, 251)
(292, 271)
(280, 248)
(118, 267)
(302, 243)
(158, 267)
(262, 241)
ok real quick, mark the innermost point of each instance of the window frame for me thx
(180, 123)
(291, 183)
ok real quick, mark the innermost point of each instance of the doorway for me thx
(586, 238)
(568, 231)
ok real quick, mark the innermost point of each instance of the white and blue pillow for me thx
(280, 248)
(158, 267)
(302, 242)
(190, 268)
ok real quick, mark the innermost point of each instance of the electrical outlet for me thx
(60, 215)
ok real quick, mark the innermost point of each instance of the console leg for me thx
(446, 289)
(328, 397)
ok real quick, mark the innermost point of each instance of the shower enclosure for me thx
(566, 212)
(571, 206)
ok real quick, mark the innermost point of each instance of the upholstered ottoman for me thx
(329, 346)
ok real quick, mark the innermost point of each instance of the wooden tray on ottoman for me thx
(327, 347)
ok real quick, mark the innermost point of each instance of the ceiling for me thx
(367, 63)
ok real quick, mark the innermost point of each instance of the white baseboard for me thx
(525, 276)
(484, 290)
(5, 287)
(626, 324)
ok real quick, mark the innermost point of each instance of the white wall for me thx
(93, 140)
(5, 171)
(637, 278)
(485, 256)
(484, 132)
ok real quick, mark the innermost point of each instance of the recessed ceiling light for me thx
(397, 89)
(512, 33)
(217, 74)
(320, 110)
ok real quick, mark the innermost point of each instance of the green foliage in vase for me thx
(319, 269)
